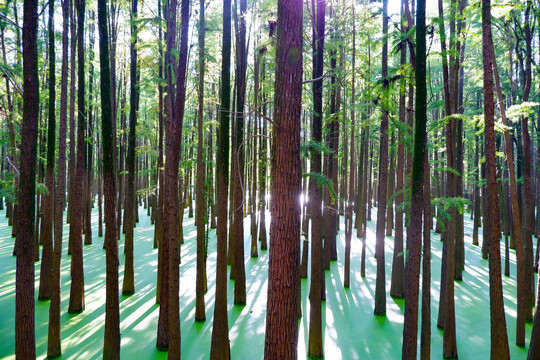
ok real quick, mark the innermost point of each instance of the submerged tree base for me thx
(350, 328)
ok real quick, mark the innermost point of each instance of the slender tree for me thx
(284, 260)
(238, 157)
(380, 285)
(76, 295)
(25, 337)
(414, 231)
(397, 286)
(220, 347)
(54, 346)
(499, 337)
(128, 285)
(111, 345)
(516, 215)
(200, 313)
(172, 147)
(349, 203)
(48, 199)
(162, 341)
(315, 340)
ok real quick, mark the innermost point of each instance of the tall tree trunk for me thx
(89, 142)
(72, 164)
(76, 295)
(352, 166)
(516, 216)
(414, 230)
(476, 201)
(200, 313)
(111, 345)
(238, 156)
(171, 211)
(254, 251)
(45, 280)
(220, 347)
(162, 342)
(527, 194)
(25, 338)
(282, 316)
(315, 341)
(397, 286)
(128, 285)
(499, 337)
(262, 171)
(54, 346)
(391, 186)
(380, 285)
(158, 229)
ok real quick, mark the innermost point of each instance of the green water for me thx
(351, 331)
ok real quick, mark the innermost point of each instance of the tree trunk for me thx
(171, 211)
(200, 313)
(72, 126)
(352, 166)
(516, 217)
(111, 345)
(128, 285)
(48, 199)
(499, 337)
(89, 142)
(414, 230)
(380, 286)
(54, 346)
(262, 176)
(220, 347)
(76, 295)
(397, 286)
(25, 338)
(238, 156)
(315, 341)
(284, 259)
(162, 342)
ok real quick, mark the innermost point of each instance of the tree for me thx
(158, 209)
(380, 286)
(238, 157)
(162, 341)
(284, 259)
(516, 216)
(499, 337)
(414, 230)
(200, 313)
(25, 337)
(48, 199)
(349, 209)
(76, 295)
(172, 147)
(315, 341)
(54, 345)
(111, 343)
(397, 286)
(220, 348)
(128, 286)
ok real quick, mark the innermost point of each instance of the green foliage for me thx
(447, 169)
(147, 191)
(7, 187)
(322, 182)
(518, 111)
(41, 189)
(445, 204)
(315, 146)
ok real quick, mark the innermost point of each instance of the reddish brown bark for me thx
(25, 338)
(284, 258)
